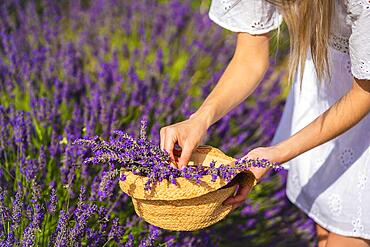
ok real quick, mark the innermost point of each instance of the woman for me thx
(324, 133)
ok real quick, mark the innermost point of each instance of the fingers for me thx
(162, 133)
(235, 206)
(168, 146)
(239, 197)
(168, 140)
(185, 135)
(186, 152)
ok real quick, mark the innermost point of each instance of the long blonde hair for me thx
(309, 24)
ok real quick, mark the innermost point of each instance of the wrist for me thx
(286, 150)
(203, 115)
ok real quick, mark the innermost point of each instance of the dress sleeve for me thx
(251, 16)
(359, 42)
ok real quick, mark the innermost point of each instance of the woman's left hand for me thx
(273, 154)
(240, 196)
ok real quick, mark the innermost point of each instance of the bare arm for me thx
(240, 78)
(340, 117)
(343, 115)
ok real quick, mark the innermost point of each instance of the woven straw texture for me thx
(186, 206)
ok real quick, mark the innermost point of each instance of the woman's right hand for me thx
(187, 134)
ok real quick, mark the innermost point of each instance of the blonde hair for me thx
(309, 23)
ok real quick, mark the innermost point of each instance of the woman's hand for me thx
(241, 195)
(187, 134)
(273, 154)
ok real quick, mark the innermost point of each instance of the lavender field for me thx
(73, 69)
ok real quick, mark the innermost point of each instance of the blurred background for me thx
(70, 69)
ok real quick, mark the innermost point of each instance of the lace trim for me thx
(339, 43)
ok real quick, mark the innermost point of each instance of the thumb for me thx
(186, 152)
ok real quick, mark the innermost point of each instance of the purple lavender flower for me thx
(116, 232)
(29, 236)
(82, 214)
(52, 204)
(38, 208)
(30, 168)
(108, 183)
(17, 206)
(130, 241)
(60, 236)
(42, 158)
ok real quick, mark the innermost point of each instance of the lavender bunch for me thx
(144, 158)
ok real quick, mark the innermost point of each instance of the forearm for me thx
(343, 115)
(239, 80)
(236, 84)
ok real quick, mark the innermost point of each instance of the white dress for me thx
(331, 182)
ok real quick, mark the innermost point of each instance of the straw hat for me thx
(186, 206)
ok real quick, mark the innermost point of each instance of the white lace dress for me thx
(331, 182)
